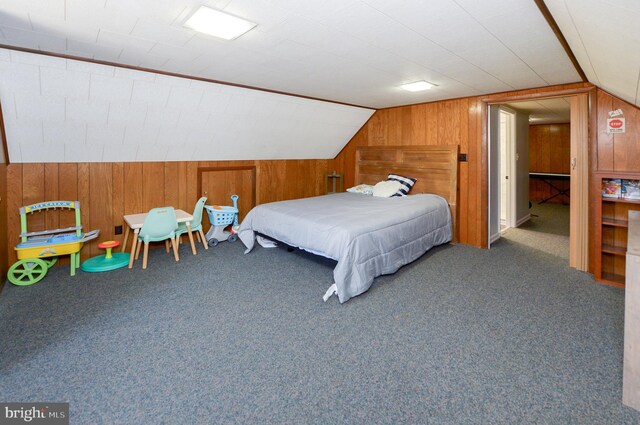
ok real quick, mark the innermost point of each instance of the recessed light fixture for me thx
(218, 24)
(417, 86)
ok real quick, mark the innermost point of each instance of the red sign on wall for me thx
(615, 125)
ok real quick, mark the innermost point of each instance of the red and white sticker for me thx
(615, 125)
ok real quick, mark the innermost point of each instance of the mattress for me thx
(368, 236)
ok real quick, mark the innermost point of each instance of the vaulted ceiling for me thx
(604, 35)
(353, 51)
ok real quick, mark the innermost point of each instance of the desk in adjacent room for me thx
(548, 178)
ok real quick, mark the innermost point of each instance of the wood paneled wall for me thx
(4, 264)
(448, 122)
(107, 191)
(611, 154)
(457, 121)
(549, 152)
(616, 152)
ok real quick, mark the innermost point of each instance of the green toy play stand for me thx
(38, 251)
(108, 261)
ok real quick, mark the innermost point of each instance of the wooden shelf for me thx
(611, 226)
(615, 250)
(613, 279)
(622, 200)
(615, 222)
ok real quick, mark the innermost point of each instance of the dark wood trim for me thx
(251, 168)
(563, 41)
(3, 136)
(497, 95)
(551, 123)
(492, 99)
(173, 74)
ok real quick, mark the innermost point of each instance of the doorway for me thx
(555, 178)
(508, 169)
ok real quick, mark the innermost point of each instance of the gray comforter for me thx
(368, 236)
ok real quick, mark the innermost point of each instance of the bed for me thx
(369, 236)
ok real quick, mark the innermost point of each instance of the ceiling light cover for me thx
(417, 86)
(218, 24)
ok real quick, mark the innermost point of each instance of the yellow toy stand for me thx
(35, 247)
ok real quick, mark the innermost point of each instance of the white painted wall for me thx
(62, 110)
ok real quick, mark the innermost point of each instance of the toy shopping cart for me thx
(38, 251)
(220, 218)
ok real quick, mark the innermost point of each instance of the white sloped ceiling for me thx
(604, 35)
(62, 110)
(357, 52)
(353, 51)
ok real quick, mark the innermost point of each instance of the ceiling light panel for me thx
(417, 86)
(218, 24)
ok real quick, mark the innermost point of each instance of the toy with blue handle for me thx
(220, 218)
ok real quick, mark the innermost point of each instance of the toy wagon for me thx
(220, 218)
(38, 251)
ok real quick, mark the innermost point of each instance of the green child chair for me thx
(159, 225)
(196, 223)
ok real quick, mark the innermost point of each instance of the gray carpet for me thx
(460, 336)
(546, 231)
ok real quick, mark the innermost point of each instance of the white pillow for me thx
(386, 189)
(365, 189)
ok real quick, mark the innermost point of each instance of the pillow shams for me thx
(386, 189)
(365, 189)
(406, 183)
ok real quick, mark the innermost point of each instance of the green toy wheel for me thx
(27, 272)
(50, 261)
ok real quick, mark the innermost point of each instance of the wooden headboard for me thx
(435, 167)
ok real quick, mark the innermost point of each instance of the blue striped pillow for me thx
(406, 183)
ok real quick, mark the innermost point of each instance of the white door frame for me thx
(494, 174)
(511, 165)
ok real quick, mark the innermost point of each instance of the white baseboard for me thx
(494, 237)
(523, 220)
